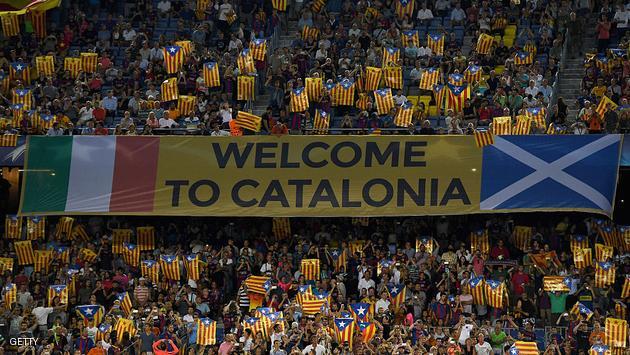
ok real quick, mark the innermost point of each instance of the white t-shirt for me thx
(483, 349)
(465, 333)
(167, 122)
(319, 349)
(164, 5)
(381, 303)
(366, 284)
(41, 313)
(424, 14)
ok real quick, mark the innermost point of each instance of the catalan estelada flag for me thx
(456, 79)
(123, 326)
(280, 5)
(522, 126)
(538, 114)
(72, 65)
(495, 293)
(169, 90)
(245, 62)
(23, 97)
(310, 33)
(603, 63)
(523, 58)
(605, 104)
(186, 47)
(314, 88)
(150, 269)
(13, 227)
(578, 241)
(186, 104)
(580, 309)
(397, 294)
(582, 258)
(43, 259)
(599, 349)
(192, 265)
(60, 291)
(435, 41)
(384, 100)
(9, 140)
(318, 5)
(404, 115)
(299, 100)
(604, 274)
(404, 8)
(603, 252)
(479, 241)
(10, 295)
(391, 57)
(173, 59)
(281, 227)
(616, 331)
(131, 254)
(89, 62)
(87, 255)
(256, 324)
(248, 121)
(125, 302)
(62, 253)
(483, 138)
(368, 331)
(321, 122)
(372, 78)
(245, 88)
(38, 19)
(258, 48)
(310, 269)
(502, 125)
(45, 65)
(145, 238)
(522, 237)
(362, 311)
(625, 290)
(92, 315)
(484, 43)
(544, 260)
(478, 289)
(457, 96)
(119, 238)
(524, 348)
(557, 283)
(343, 93)
(410, 38)
(10, 24)
(24, 251)
(425, 242)
(6, 264)
(313, 305)
(439, 95)
(79, 233)
(35, 227)
(392, 77)
(170, 266)
(339, 259)
(211, 74)
(344, 327)
(473, 73)
(258, 284)
(206, 327)
(363, 102)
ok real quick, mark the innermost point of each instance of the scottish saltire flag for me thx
(533, 172)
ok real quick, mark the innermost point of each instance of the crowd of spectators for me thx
(123, 95)
(438, 313)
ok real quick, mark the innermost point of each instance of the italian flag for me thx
(88, 174)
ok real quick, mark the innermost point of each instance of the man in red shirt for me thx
(499, 251)
(100, 130)
(519, 280)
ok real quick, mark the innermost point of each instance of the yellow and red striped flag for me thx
(436, 41)
(173, 59)
(523, 58)
(123, 326)
(397, 295)
(602, 106)
(484, 43)
(580, 309)
(483, 138)
(23, 97)
(582, 258)
(391, 57)
(299, 100)
(392, 77)
(478, 290)
(611, 237)
(344, 327)
(92, 315)
(524, 348)
(363, 102)
(13, 227)
(60, 291)
(280, 5)
(404, 8)
(119, 237)
(35, 227)
(87, 255)
(10, 24)
(318, 5)
(309, 33)
(10, 295)
(557, 283)
(62, 253)
(207, 328)
(73, 65)
(616, 331)
(522, 126)
(409, 38)
(339, 259)
(310, 269)
(538, 114)
(479, 241)
(79, 233)
(170, 266)
(313, 305)
(522, 237)
(125, 302)
(258, 284)
(145, 238)
(404, 115)
(248, 121)
(150, 269)
(245, 62)
(372, 78)
(321, 122)
(314, 87)
(258, 48)
(169, 90)
(281, 227)
(245, 88)
(502, 125)
(384, 100)
(45, 65)
(457, 96)
(89, 62)
(439, 94)
(343, 93)
(38, 19)
(131, 254)
(578, 241)
(256, 324)
(43, 259)
(20, 71)
(603, 252)
(186, 47)
(6, 264)
(495, 293)
(427, 242)
(600, 349)
(10, 140)
(186, 104)
(604, 274)
(192, 265)
(24, 251)
(368, 331)
(211, 74)
(625, 290)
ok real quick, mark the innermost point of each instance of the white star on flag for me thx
(88, 311)
(361, 310)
